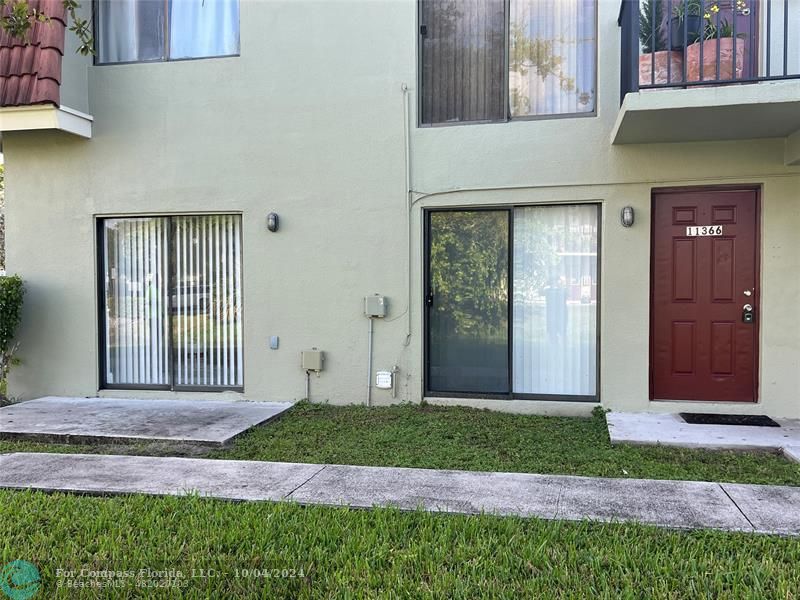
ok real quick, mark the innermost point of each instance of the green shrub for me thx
(11, 293)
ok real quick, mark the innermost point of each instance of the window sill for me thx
(162, 61)
(525, 119)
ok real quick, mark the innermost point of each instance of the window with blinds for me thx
(172, 302)
(496, 60)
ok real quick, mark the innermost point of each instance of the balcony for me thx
(701, 70)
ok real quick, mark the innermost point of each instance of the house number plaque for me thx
(703, 230)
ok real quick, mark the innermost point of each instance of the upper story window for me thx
(156, 30)
(495, 60)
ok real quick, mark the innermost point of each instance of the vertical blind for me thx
(207, 301)
(485, 60)
(463, 52)
(555, 300)
(136, 307)
(173, 301)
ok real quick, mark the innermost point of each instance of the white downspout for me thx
(369, 365)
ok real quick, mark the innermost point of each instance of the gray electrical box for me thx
(375, 306)
(312, 360)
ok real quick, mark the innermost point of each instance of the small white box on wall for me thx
(383, 380)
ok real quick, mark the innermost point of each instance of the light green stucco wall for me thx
(308, 122)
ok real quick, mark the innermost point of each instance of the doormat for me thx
(709, 419)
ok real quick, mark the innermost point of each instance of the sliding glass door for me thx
(172, 302)
(512, 302)
(136, 301)
(468, 301)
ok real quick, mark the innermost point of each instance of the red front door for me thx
(705, 312)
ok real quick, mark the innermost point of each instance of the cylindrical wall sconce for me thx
(627, 216)
(272, 222)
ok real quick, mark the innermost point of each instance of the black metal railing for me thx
(687, 43)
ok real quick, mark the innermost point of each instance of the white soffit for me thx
(45, 116)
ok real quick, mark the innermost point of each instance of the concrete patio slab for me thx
(769, 508)
(672, 504)
(671, 430)
(103, 474)
(58, 419)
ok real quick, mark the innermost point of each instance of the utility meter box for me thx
(383, 380)
(375, 306)
(312, 360)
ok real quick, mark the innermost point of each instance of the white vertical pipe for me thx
(369, 364)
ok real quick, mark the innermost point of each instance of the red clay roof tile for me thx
(30, 68)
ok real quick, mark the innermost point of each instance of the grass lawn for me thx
(463, 438)
(340, 553)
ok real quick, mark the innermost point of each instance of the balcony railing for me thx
(689, 43)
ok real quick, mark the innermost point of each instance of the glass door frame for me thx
(171, 278)
(426, 307)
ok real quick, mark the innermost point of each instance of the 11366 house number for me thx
(702, 230)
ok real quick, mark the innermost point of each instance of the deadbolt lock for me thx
(747, 314)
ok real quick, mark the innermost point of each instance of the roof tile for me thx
(30, 68)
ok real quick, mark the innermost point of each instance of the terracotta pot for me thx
(662, 59)
(726, 68)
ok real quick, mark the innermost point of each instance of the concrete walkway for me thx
(121, 420)
(674, 504)
(671, 430)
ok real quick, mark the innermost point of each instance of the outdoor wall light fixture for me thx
(272, 222)
(627, 216)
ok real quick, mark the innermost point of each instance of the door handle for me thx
(429, 299)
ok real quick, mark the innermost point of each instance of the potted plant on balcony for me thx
(687, 23)
(657, 64)
(717, 49)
